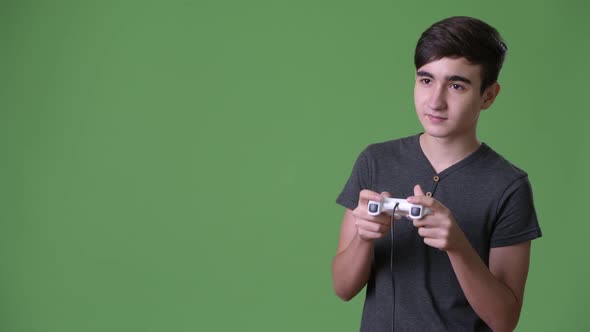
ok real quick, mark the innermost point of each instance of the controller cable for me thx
(391, 269)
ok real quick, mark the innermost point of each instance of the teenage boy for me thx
(464, 266)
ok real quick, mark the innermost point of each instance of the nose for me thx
(437, 99)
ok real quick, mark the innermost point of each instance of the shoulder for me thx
(500, 169)
(392, 148)
(490, 174)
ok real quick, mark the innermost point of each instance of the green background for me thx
(173, 165)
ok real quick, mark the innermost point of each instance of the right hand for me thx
(371, 227)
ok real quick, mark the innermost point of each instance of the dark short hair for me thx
(467, 37)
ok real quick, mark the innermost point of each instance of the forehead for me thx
(447, 67)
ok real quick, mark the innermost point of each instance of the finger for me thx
(435, 243)
(425, 221)
(386, 194)
(372, 226)
(383, 219)
(421, 200)
(418, 191)
(419, 197)
(427, 232)
(420, 222)
(367, 195)
(361, 213)
(368, 235)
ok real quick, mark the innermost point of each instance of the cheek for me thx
(470, 114)
(418, 96)
(470, 107)
(476, 107)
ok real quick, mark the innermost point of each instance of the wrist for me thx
(462, 246)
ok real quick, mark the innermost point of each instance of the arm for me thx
(351, 266)
(494, 293)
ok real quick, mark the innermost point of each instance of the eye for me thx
(426, 81)
(456, 86)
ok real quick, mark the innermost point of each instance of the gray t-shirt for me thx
(492, 202)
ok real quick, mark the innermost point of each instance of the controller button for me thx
(373, 208)
(429, 194)
(415, 211)
(436, 178)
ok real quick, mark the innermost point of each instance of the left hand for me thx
(439, 228)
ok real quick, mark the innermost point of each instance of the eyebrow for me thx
(448, 78)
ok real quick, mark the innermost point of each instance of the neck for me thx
(444, 152)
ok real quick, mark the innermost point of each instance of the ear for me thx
(489, 95)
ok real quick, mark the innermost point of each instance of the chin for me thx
(436, 132)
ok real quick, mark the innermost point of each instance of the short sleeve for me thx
(516, 217)
(359, 179)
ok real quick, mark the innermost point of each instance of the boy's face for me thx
(448, 99)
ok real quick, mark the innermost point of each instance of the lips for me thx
(435, 118)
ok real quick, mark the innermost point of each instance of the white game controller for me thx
(404, 209)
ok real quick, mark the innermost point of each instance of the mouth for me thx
(436, 118)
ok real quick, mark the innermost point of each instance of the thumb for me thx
(418, 190)
(386, 194)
